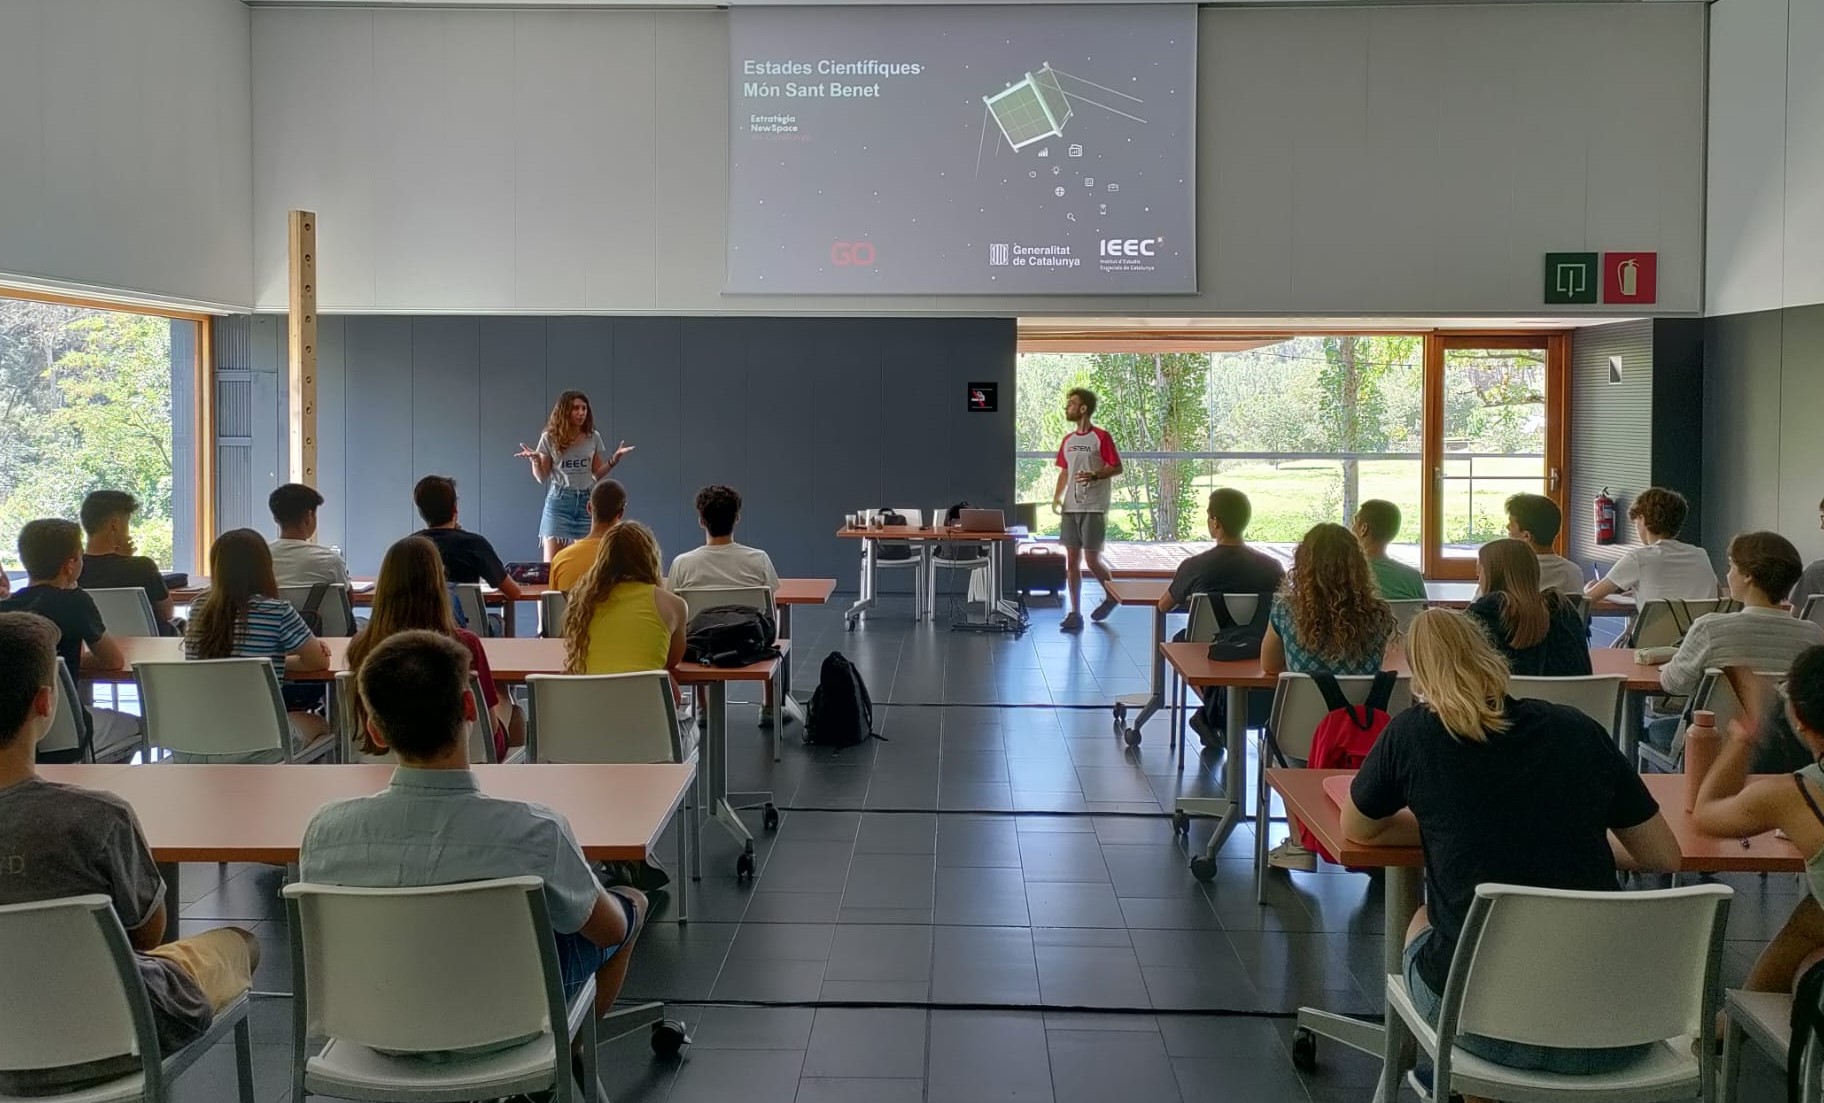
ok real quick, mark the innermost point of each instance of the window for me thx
(1308, 427)
(93, 396)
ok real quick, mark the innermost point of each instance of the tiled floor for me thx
(987, 906)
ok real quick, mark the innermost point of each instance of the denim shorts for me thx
(1514, 1055)
(578, 959)
(566, 514)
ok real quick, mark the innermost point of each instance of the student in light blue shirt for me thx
(433, 826)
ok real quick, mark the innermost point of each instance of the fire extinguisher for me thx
(1605, 518)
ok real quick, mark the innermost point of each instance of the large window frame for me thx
(1556, 344)
(202, 411)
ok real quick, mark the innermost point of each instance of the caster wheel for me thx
(1120, 712)
(1132, 736)
(669, 1037)
(744, 867)
(1304, 1050)
(770, 817)
(1203, 869)
(1181, 823)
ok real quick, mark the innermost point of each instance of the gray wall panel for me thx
(514, 402)
(649, 411)
(1611, 443)
(1742, 426)
(1801, 442)
(445, 402)
(378, 354)
(714, 388)
(1678, 415)
(332, 434)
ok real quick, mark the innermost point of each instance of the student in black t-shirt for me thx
(1505, 791)
(51, 549)
(467, 556)
(109, 562)
(1541, 632)
(1231, 567)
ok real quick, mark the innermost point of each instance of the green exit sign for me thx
(1571, 278)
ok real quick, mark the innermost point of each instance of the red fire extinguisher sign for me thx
(1605, 517)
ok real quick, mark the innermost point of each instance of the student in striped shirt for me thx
(242, 617)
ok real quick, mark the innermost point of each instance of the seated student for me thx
(415, 691)
(1453, 759)
(242, 617)
(60, 840)
(1662, 567)
(1536, 519)
(467, 556)
(1377, 522)
(721, 561)
(607, 505)
(297, 558)
(1811, 582)
(1729, 806)
(51, 549)
(1541, 634)
(109, 562)
(1761, 636)
(1327, 619)
(1231, 567)
(410, 596)
(620, 618)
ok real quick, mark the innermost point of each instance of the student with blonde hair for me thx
(621, 618)
(1540, 632)
(1504, 790)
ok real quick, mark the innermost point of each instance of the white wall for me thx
(1766, 194)
(126, 147)
(1354, 160)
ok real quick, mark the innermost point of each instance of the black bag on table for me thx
(1234, 640)
(841, 712)
(730, 635)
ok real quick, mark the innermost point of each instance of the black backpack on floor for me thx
(730, 635)
(841, 712)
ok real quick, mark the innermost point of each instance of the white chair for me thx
(70, 992)
(899, 555)
(700, 598)
(552, 605)
(481, 732)
(970, 559)
(1298, 708)
(1597, 696)
(125, 611)
(1204, 624)
(1404, 610)
(1765, 1018)
(1714, 694)
(372, 972)
(603, 718)
(335, 608)
(1601, 985)
(225, 709)
(1664, 621)
(68, 739)
(473, 606)
(1814, 609)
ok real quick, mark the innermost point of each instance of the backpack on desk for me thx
(1345, 735)
(1235, 641)
(730, 635)
(841, 712)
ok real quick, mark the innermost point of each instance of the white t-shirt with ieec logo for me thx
(574, 468)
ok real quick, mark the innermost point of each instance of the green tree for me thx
(1155, 402)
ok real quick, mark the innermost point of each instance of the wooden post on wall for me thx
(302, 333)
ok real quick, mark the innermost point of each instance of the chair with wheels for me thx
(1597, 696)
(552, 605)
(225, 710)
(334, 607)
(1664, 621)
(1298, 708)
(1602, 985)
(386, 974)
(125, 611)
(71, 993)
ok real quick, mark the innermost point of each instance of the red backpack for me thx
(1346, 734)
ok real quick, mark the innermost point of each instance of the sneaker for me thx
(1073, 622)
(1289, 855)
(1213, 740)
(1101, 612)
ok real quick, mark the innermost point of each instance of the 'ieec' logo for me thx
(1130, 246)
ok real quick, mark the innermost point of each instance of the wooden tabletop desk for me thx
(197, 813)
(1313, 797)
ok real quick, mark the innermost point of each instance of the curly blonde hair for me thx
(1336, 609)
(629, 553)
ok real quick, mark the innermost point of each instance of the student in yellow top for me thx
(607, 505)
(620, 618)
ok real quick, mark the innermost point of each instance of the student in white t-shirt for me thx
(1536, 519)
(720, 561)
(297, 559)
(1663, 566)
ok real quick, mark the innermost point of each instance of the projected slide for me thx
(957, 150)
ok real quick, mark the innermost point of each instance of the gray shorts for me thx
(1083, 530)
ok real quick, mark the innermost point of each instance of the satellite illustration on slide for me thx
(953, 150)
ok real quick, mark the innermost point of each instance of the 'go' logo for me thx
(852, 254)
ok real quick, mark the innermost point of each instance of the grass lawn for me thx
(1290, 497)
